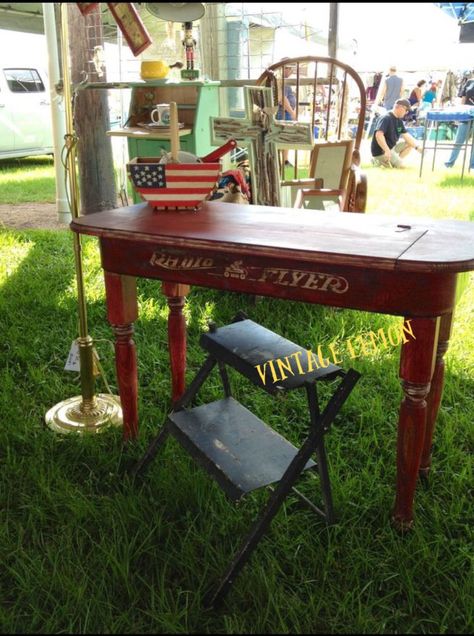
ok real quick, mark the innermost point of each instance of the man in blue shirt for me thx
(286, 103)
(464, 127)
(386, 149)
(287, 109)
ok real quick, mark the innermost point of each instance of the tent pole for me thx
(57, 112)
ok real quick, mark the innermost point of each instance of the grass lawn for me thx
(29, 179)
(32, 179)
(83, 550)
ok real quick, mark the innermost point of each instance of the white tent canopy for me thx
(416, 36)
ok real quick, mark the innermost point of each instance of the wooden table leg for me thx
(416, 369)
(122, 311)
(176, 296)
(436, 392)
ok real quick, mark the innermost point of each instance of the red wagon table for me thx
(401, 266)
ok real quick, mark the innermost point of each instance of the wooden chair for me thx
(329, 171)
(330, 95)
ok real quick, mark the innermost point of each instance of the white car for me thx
(25, 112)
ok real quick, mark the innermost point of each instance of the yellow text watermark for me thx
(306, 361)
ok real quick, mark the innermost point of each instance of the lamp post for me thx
(88, 412)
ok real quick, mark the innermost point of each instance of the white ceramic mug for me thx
(161, 114)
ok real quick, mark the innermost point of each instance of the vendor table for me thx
(459, 114)
(407, 267)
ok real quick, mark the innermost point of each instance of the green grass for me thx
(83, 550)
(30, 179)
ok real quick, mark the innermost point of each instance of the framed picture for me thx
(131, 25)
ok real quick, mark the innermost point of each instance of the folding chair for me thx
(239, 450)
(329, 167)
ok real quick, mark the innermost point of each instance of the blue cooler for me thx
(416, 131)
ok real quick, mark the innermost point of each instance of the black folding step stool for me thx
(240, 451)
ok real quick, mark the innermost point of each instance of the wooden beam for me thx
(91, 114)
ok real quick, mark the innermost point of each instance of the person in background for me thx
(417, 94)
(387, 150)
(415, 101)
(392, 89)
(429, 96)
(467, 98)
(286, 103)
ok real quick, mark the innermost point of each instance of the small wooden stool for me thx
(239, 450)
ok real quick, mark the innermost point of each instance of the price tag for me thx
(73, 362)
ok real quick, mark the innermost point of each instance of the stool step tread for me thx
(238, 449)
(244, 345)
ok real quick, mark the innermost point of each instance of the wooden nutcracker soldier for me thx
(189, 44)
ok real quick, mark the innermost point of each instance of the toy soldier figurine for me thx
(189, 43)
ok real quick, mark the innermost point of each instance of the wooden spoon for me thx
(174, 132)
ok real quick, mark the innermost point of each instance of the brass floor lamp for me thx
(87, 412)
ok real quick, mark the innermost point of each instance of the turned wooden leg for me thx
(436, 392)
(175, 294)
(122, 310)
(416, 369)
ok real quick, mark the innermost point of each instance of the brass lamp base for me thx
(76, 414)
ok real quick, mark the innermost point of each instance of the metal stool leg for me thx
(184, 400)
(320, 450)
(225, 379)
(325, 483)
(259, 528)
(196, 384)
(150, 453)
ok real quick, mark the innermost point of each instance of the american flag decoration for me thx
(173, 185)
